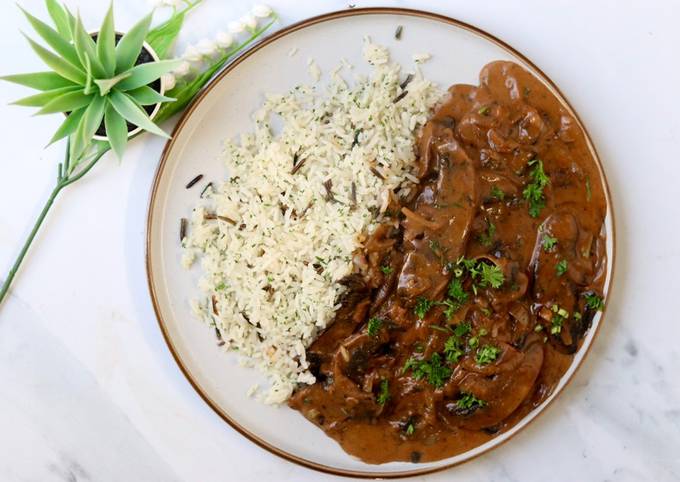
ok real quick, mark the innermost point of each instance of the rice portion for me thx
(270, 278)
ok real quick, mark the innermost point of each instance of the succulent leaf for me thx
(68, 126)
(144, 74)
(39, 100)
(59, 44)
(105, 85)
(59, 65)
(147, 96)
(130, 45)
(66, 103)
(106, 44)
(39, 80)
(87, 50)
(93, 117)
(59, 18)
(116, 130)
(134, 114)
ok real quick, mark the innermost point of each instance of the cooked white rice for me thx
(274, 275)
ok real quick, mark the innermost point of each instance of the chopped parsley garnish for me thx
(423, 305)
(533, 193)
(453, 349)
(456, 291)
(374, 325)
(497, 193)
(561, 267)
(548, 242)
(457, 296)
(491, 275)
(484, 110)
(451, 308)
(410, 429)
(384, 394)
(435, 372)
(487, 238)
(220, 286)
(594, 302)
(463, 264)
(387, 270)
(468, 401)
(559, 315)
(462, 329)
(474, 341)
(487, 354)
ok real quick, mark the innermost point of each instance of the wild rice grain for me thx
(191, 183)
(207, 186)
(182, 229)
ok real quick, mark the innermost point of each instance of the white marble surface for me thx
(89, 391)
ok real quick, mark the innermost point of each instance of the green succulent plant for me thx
(93, 80)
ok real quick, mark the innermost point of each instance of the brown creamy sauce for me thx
(483, 141)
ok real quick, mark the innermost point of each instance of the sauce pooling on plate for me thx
(470, 299)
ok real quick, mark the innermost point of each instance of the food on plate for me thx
(469, 299)
(412, 270)
(276, 239)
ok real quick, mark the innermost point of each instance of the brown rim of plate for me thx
(199, 98)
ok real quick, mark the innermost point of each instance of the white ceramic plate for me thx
(458, 53)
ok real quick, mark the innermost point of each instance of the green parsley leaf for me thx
(451, 308)
(594, 302)
(492, 276)
(484, 110)
(474, 341)
(410, 429)
(487, 238)
(456, 291)
(387, 270)
(561, 267)
(374, 325)
(423, 305)
(453, 350)
(469, 401)
(458, 297)
(487, 354)
(548, 242)
(384, 394)
(220, 286)
(462, 329)
(497, 193)
(533, 192)
(433, 369)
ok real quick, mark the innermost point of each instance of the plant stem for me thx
(62, 182)
(13, 271)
